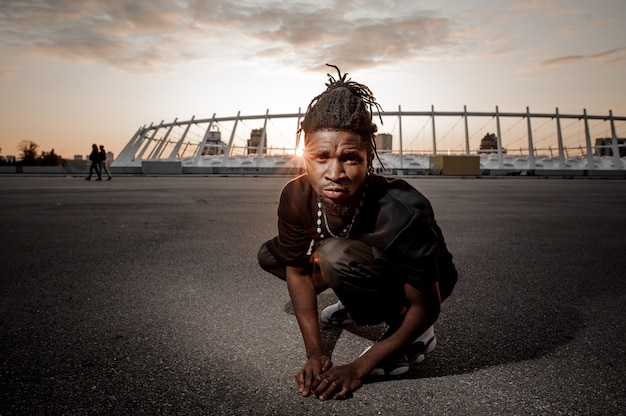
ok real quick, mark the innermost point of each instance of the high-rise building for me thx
(255, 141)
(214, 145)
(384, 142)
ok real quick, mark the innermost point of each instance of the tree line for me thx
(30, 156)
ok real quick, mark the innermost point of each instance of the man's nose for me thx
(334, 169)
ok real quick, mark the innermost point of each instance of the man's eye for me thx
(352, 158)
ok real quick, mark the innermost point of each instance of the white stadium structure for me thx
(409, 142)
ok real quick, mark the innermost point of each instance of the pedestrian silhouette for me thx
(95, 160)
(103, 162)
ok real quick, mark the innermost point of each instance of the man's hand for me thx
(308, 377)
(337, 383)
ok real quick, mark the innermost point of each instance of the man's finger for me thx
(343, 393)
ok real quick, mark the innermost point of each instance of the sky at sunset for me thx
(78, 72)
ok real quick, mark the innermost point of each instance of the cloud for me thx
(122, 34)
(145, 36)
(610, 56)
(6, 72)
(554, 7)
(355, 43)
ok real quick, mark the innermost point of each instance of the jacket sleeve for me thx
(293, 240)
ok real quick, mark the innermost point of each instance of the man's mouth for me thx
(334, 192)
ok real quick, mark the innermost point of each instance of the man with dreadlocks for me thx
(373, 240)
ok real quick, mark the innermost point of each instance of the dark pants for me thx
(102, 166)
(365, 282)
(94, 168)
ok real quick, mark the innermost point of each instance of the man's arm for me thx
(423, 311)
(303, 295)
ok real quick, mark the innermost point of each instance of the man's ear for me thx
(370, 162)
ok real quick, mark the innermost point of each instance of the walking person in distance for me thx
(102, 160)
(94, 158)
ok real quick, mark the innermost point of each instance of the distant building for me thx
(489, 144)
(255, 141)
(78, 157)
(214, 144)
(384, 142)
(604, 147)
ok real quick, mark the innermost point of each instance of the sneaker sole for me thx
(336, 322)
(380, 372)
(430, 346)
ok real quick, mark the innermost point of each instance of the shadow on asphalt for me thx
(487, 335)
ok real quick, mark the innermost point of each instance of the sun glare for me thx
(300, 149)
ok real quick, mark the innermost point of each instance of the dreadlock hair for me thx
(345, 105)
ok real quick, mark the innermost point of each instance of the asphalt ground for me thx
(142, 296)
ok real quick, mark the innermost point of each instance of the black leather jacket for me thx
(395, 219)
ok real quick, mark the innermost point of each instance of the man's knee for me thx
(339, 258)
(270, 264)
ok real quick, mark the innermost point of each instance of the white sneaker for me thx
(336, 314)
(399, 362)
(394, 365)
(424, 344)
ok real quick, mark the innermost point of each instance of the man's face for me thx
(336, 164)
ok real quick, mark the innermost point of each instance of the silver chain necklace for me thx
(322, 217)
